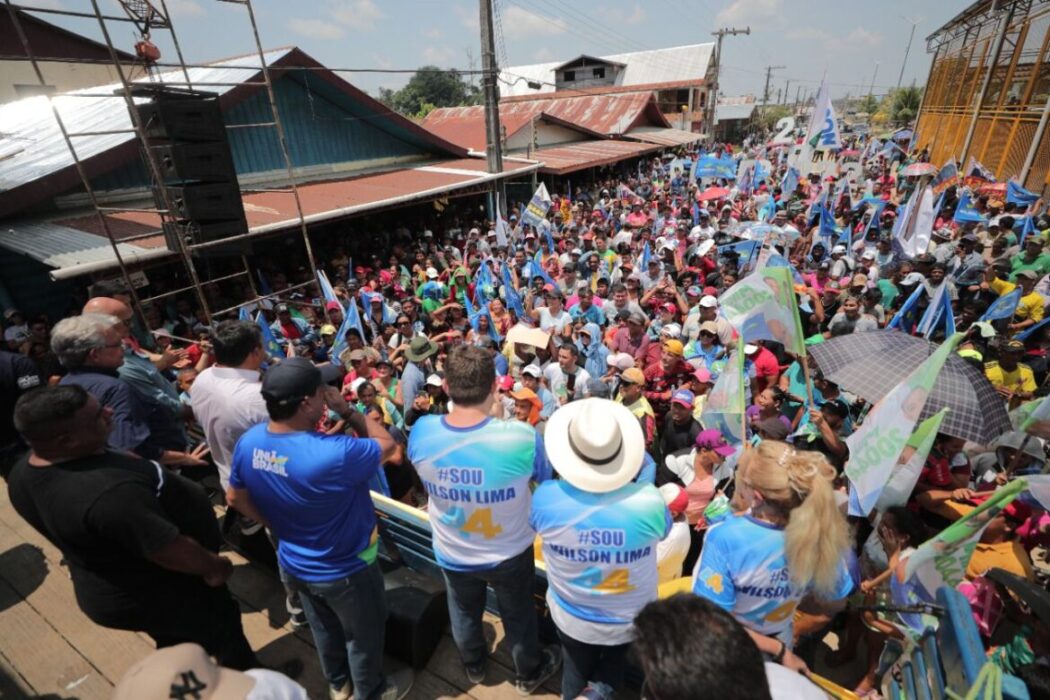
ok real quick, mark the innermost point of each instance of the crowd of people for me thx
(541, 390)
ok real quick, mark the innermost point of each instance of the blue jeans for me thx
(512, 581)
(348, 620)
(600, 667)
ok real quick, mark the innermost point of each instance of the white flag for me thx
(914, 232)
(536, 211)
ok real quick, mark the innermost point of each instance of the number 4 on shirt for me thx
(616, 582)
(479, 522)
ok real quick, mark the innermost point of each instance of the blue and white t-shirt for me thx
(743, 569)
(477, 480)
(313, 490)
(600, 553)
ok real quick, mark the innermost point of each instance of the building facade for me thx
(988, 92)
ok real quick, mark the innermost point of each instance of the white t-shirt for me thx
(671, 552)
(558, 381)
(554, 323)
(785, 684)
(271, 685)
(226, 402)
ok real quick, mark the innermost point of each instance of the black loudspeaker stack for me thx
(187, 138)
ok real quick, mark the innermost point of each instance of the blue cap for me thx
(684, 397)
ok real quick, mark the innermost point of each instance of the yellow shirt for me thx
(1030, 307)
(1001, 286)
(1020, 379)
(1009, 556)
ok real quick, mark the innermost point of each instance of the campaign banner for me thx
(538, 206)
(762, 306)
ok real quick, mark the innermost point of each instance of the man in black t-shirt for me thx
(18, 374)
(140, 541)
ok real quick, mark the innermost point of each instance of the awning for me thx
(664, 137)
(561, 160)
(78, 245)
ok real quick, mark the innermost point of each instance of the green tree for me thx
(430, 87)
(768, 116)
(905, 104)
(868, 104)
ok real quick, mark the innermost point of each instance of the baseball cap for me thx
(1013, 346)
(708, 302)
(683, 397)
(703, 375)
(671, 330)
(868, 255)
(1027, 274)
(334, 306)
(833, 287)
(675, 497)
(912, 278)
(596, 389)
(163, 673)
(750, 349)
(506, 383)
(712, 439)
(621, 360)
(838, 249)
(693, 291)
(328, 329)
(356, 355)
(532, 371)
(859, 281)
(668, 307)
(433, 380)
(432, 273)
(773, 428)
(296, 378)
(281, 308)
(674, 347)
(633, 375)
(709, 327)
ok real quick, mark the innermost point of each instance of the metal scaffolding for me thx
(147, 16)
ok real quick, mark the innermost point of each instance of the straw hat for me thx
(595, 444)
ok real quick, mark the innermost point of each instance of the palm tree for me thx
(905, 105)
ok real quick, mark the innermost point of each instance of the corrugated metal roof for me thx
(674, 64)
(562, 160)
(612, 115)
(58, 246)
(78, 241)
(664, 137)
(734, 111)
(31, 144)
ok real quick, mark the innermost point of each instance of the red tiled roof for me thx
(609, 115)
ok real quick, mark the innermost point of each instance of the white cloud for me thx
(467, 17)
(359, 14)
(519, 23)
(315, 28)
(438, 54)
(185, 8)
(544, 54)
(381, 61)
(744, 11)
(636, 16)
(860, 35)
(433, 33)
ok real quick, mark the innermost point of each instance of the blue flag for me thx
(536, 270)
(965, 213)
(513, 298)
(1027, 229)
(326, 287)
(906, 318)
(716, 167)
(243, 315)
(1028, 332)
(270, 344)
(790, 182)
(938, 312)
(1003, 307)
(1015, 194)
(769, 210)
(646, 254)
(264, 285)
(351, 320)
(760, 173)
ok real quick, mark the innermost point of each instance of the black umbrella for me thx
(871, 364)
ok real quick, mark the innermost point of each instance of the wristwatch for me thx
(779, 658)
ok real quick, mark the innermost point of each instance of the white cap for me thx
(750, 349)
(433, 380)
(474, 231)
(428, 233)
(671, 330)
(668, 245)
(838, 249)
(432, 273)
(356, 384)
(913, 278)
(708, 302)
(532, 371)
(576, 251)
(868, 255)
(620, 360)
(492, 232)
(705, 247)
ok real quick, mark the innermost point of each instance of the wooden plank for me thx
(52, 597)
(47, 662)
(428, 686)
(499, 680)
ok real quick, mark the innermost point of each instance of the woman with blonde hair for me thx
(792, 540)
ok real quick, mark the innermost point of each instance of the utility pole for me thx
(787, 89)
(871, 90)
(712, 94)
(914, 24)
(493, 145)
(769, 74)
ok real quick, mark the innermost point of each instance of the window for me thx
(570, 75)
(598, 72)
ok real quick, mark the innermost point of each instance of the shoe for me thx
(249, 526)
(296, 616)
(398, 684)
(343, 693)
(475, 672)
(590, 693)
(551, 664)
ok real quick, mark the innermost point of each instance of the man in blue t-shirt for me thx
(476, 471)
(311, 490)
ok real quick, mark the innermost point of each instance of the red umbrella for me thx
(712, 193)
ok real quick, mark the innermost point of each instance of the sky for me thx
(850, 41)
